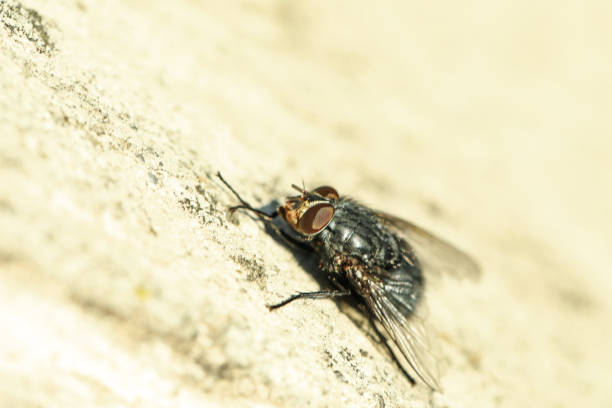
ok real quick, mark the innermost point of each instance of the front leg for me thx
(268, 219)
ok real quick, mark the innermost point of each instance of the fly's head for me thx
(311, 211)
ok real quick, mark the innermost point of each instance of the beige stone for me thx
(123, 282)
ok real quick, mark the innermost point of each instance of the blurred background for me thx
(487, 122)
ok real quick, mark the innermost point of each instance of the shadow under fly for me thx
(384, 261)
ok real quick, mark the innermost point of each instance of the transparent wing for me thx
(406, 332)
(436, 255)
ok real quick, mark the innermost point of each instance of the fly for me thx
(384, 260)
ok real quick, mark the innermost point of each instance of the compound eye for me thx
(315, 218)
(327, 192)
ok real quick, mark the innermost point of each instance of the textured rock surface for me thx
(124, 283)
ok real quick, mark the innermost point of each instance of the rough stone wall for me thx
(123, 282)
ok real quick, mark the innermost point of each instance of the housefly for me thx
(382, 259)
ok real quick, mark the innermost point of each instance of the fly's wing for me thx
(437, 257)
(404, 330)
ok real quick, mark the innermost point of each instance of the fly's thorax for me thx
(357, 232)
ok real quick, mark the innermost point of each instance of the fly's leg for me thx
(244, 204)
(322, 294)
(265, 217)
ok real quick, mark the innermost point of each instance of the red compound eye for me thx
(315, 218)
(327, 192)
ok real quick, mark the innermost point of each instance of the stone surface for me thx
(123, 282)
